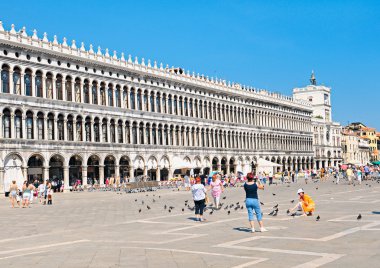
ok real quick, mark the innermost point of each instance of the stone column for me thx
(158, 174)
(2, 180)
(45, 172)
(145, 170)
(117, 171)
(22, 86)
(84, 175)
(43, 85)
(46, 129)
(12, 126)
(24, 171)
(131, 174)
(54, 95)
(64, 130)
(35, 129)
(101, 175)
(228, 169)
(66, 179)
(171, 173)
(74, 130)
(55, 132)
(1, 126)
(90, 92)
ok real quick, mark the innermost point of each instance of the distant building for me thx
(327, 134)
(356, 150)
(369, 134)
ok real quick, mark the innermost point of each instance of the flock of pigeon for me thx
(226, 207)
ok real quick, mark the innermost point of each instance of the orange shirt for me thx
(306, 200)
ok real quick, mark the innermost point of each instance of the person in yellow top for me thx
(306, 204)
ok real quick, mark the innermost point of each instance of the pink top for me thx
(216, 188)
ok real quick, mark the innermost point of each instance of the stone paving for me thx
(105, 229)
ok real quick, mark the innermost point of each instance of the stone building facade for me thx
(356, 150)
(71, 113)
(327, 140)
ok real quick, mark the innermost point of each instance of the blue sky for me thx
(265, 44)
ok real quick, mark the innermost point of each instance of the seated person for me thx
(306, 204)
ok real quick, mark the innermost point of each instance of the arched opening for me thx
(124, 167)
(49, 85)
(35, 164)
(152, 168)
(5, 79)
(17, 81)
(6, 123)
(75, 170)
(38, 81)
(18, 124)
(215, 163)
(28, 82)
(109, 167)
(13, 171)
(56, 168)
(59, 87)
(232, 166)
(93, 169)
(224, 165)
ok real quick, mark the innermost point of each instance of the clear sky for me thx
(265, 44)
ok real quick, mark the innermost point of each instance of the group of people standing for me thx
(23, 197)
(305, 206)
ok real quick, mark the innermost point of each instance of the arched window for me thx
(77, 88)
(5, 79)
(152, 101)
(60, 127)
(6, 123)
(117, 96)
(120, 132)
(50, 126)
(132, 99)
(87, 129)
(191, 107)
(96, 130)
(17, 81)
(112, 131)
(110, 95)
(186, 112)
(102, 94)
(154, 134)
(134, 133)
(49, 86)
(146, 101)
(29, 125)
(200, 110)
(166, 135)
(28, 82)
(175, 105)
(38, 84)
(104, 130)
(196, 108)
(158, 103)
(147, 134)
(163, 103)
(70, 128)
(94, 92)
(18, 124)
(86, 91)
(69, 89)
(170, 105)
(180, 106)
(40, 126)
(78, 128)
(141, 133)
(139, 100)
(59, 88)
(160, 134)
(127, 133)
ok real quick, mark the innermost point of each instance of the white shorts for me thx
(187, 184)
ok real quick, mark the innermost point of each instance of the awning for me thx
(376, 162)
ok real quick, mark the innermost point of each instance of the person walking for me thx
(41, 191)
(216, 189)
(252, 201)
(13, 191)
(199, 195)
(26, 192)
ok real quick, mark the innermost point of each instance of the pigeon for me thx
(273, 194)
(171, 208)
(159, 196)
(229, 212)
(226, 207)
(212, 211)
(292, 201)
(271, 213)
(183, 209)
(316, 188)
(165, 207)
(154, 201)
(140, 210)
(242, 207)
(148, 207)
(275, 212)
(170, 211)
(135, 200)
(224, 197)
(262, 203)
(318, 218)
(288, 211)
(276, 206)
(142, 202)
(147, 195)
(237, 208)
(359, 217)
(237, 203)
(186, 201)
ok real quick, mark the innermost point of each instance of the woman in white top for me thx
(199, 195)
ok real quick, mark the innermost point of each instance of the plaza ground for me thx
(105, 229)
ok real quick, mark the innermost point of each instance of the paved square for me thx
(105, 229)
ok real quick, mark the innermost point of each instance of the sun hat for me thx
(300, 191)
